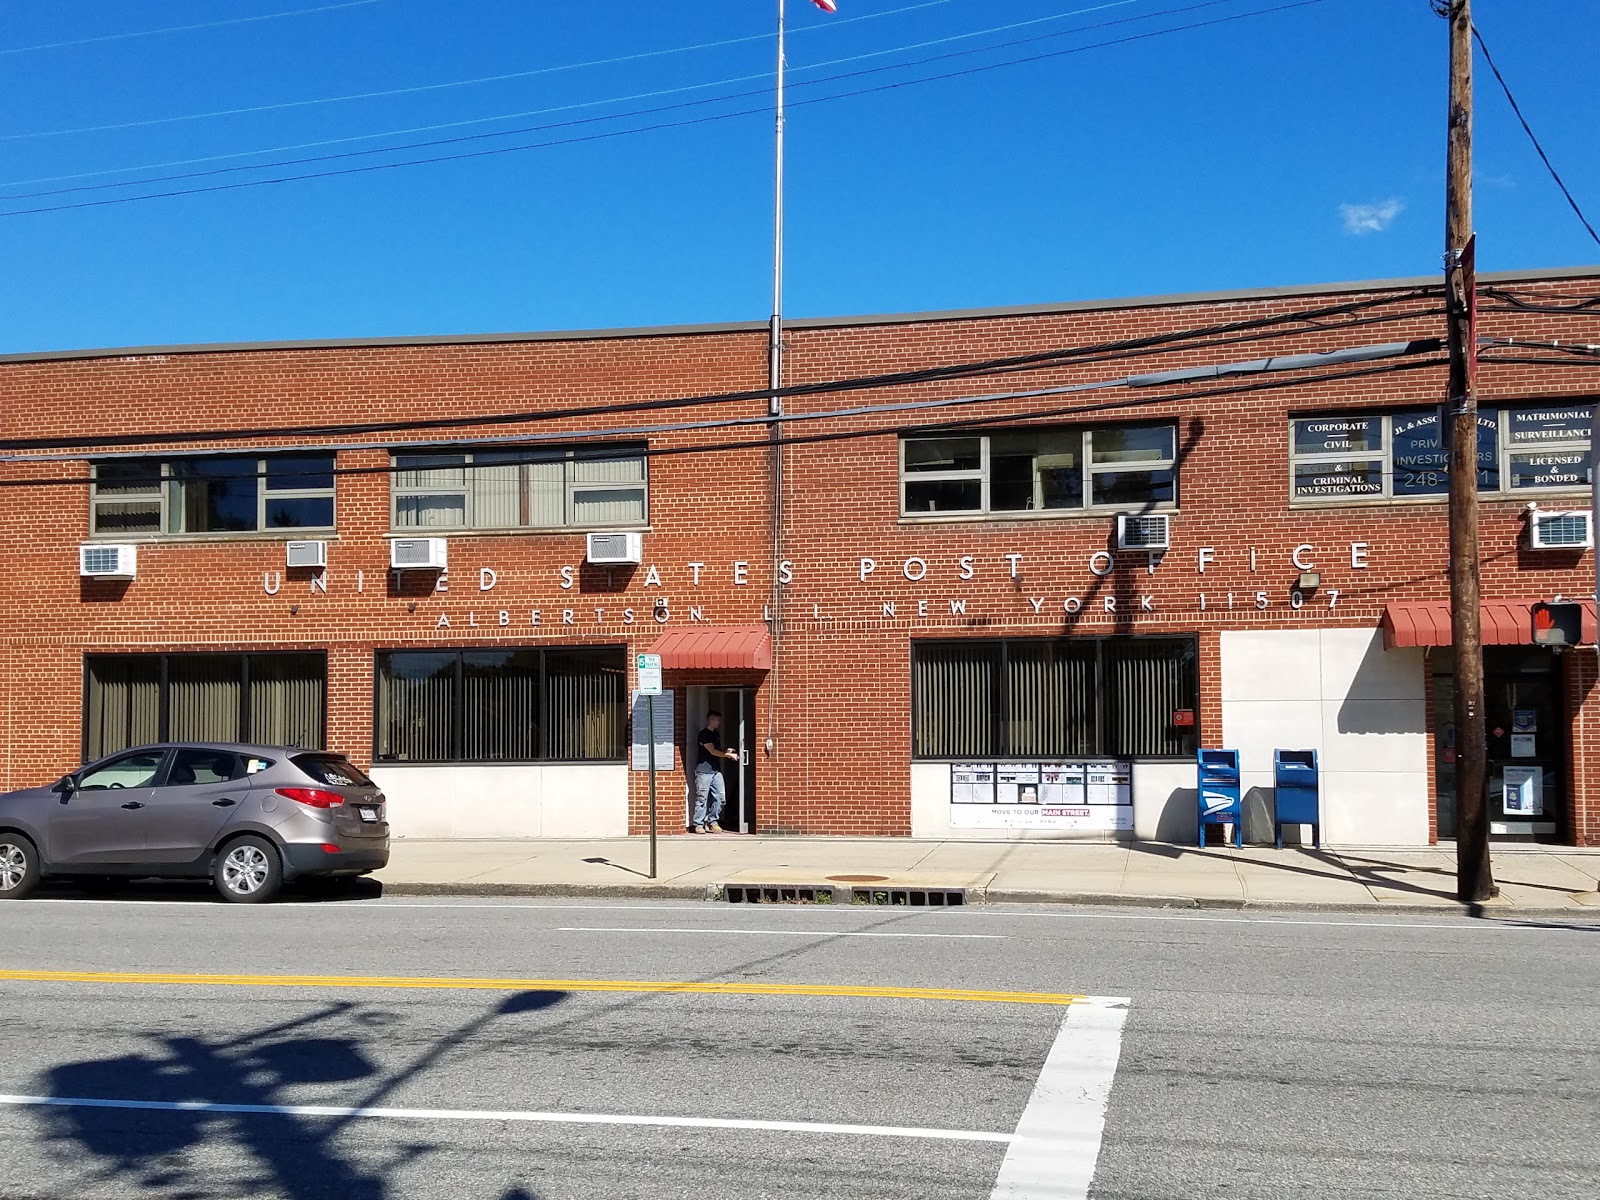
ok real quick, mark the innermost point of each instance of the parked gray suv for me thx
(250, 817)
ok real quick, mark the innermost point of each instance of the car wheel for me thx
(248, 871)
(19, 866)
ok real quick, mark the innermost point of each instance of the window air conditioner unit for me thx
(613, 548)
(1560, 530)
(307, 554)
(419, 554)
(1148, 532)
(107, 562)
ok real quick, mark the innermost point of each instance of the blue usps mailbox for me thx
(1295, 776)
(1219, 793)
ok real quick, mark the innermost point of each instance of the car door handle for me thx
(133, 804)
(224, 803)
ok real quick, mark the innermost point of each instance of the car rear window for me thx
(331, 770)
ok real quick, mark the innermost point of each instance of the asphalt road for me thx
(1252, 1057)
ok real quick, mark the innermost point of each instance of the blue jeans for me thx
(710, 794)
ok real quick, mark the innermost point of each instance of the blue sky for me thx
(1297, 146)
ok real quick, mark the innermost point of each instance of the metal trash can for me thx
(1298, 793)
(1218, 793)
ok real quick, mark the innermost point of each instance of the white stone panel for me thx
(476, 801)
(1374, 735)
(1271, 664)
(1355, 665)
(1164, 802)
(930, 800)
(589, 800)
(1375, 808)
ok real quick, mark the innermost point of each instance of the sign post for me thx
(649, 666)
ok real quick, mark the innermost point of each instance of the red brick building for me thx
(933, 623)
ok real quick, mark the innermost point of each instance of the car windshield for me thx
(332, 770)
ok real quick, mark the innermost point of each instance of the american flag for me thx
(827, 6)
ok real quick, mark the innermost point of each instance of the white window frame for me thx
(1087, 466)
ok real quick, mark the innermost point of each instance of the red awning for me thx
(715, 648)
(1504, 623)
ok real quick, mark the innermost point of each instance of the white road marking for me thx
(540, 1118)
(1058, 1137)
(808, 933)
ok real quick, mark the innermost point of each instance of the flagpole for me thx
(775, 401)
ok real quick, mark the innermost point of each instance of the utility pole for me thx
(1474, 878)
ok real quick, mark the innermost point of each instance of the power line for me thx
(680, 124)
(1174, 341)
(1008, 419)
(456, 83)
(117, 37)
(1532, 137)
(560, 108)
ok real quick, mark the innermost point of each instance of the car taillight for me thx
(313, 797)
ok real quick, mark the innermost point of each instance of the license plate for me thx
(369, 814)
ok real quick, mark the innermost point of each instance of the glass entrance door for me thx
(1526, 727)
(737, 706)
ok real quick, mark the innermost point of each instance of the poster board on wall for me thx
(1086, 796)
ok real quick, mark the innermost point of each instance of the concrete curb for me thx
(979, 897)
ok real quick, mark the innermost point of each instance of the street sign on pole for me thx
(649, 666)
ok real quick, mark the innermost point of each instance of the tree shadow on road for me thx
(196, 1092)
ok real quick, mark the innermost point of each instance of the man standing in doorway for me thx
(710, 793)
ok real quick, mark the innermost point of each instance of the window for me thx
(502, 705)
(275, 699)
(1038, 470)
(195, 766)
(223, 494)
(1402, 455)
(1053, 698)
(135, 770)
(528, 489)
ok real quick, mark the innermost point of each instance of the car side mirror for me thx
(67, 786)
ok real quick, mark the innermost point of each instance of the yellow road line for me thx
(449, 983)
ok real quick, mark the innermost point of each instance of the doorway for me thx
(738, 708)
(1527, 742)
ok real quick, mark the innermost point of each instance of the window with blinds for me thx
(275, 699)
(516, 704)
(1053, 698)
(520, 489)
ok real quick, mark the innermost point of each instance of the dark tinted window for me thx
(193, 766)
(332, 770)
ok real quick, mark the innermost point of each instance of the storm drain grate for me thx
(761, 893)
(912, 897)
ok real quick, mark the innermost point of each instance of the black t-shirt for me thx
(713, 736)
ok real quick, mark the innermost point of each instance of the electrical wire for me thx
(1532, 137)
(988, 421)
(1174, 341)
(680, 124)
(502, 78)
(118, 37)
(659, 93)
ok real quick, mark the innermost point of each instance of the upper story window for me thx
(1374, 456)
(205, 494)
(520, 489)
(1038, 470)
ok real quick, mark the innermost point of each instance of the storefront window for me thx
(517, 704)
(277, 699)
(1054, 698)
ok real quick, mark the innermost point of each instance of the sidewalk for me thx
(1542, 880)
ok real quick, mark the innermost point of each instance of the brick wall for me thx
(841, 712)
